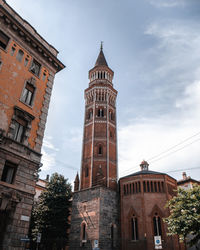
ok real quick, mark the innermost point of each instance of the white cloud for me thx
(167, 3)
(48, 144)
(149, 139)
(49, 152)
(191, 100)
(48, 160)
(176, 76)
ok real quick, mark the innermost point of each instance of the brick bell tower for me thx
(99, 155)
(95, 201)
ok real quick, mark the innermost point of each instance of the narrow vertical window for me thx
(90, 114)
(136, 187)
(134, 227)
(12, 51)
(148, 189)
(157, 225)
(44, 77)
(133, 188)
(26, 62)
(19, 130)
(84, 232)
(20, 55)
(144, 186)
(139, 188)
(130, 188)
(98, 112)
(100, 150)
(28, 93)
(159, 189)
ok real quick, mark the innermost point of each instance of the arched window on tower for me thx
(157, 225)
(111, 115)
(134, 228)
(100, 150)
(100, 112)
(90, 114)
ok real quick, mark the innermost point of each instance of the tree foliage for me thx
(184, 216)
(50, 215)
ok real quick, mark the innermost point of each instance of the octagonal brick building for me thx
(143, 196)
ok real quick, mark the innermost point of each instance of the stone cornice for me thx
(30, 36)
(20, 150)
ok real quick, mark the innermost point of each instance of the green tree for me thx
(50, 216)
(184, 216)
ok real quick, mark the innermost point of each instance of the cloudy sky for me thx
(153, 46)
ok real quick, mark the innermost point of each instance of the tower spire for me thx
(101, 47)
(101, 60)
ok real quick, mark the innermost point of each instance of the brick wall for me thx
(98, 208)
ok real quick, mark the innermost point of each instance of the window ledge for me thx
(4, 50)
(30, 106)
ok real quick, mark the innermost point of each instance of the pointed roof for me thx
(77, 178)
(101, 60)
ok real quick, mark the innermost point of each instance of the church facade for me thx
(107, 214)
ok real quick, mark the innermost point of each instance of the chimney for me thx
(47, 178)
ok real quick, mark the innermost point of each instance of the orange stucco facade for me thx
(28, 65)
(13, 77)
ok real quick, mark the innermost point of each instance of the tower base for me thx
(94, 221)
